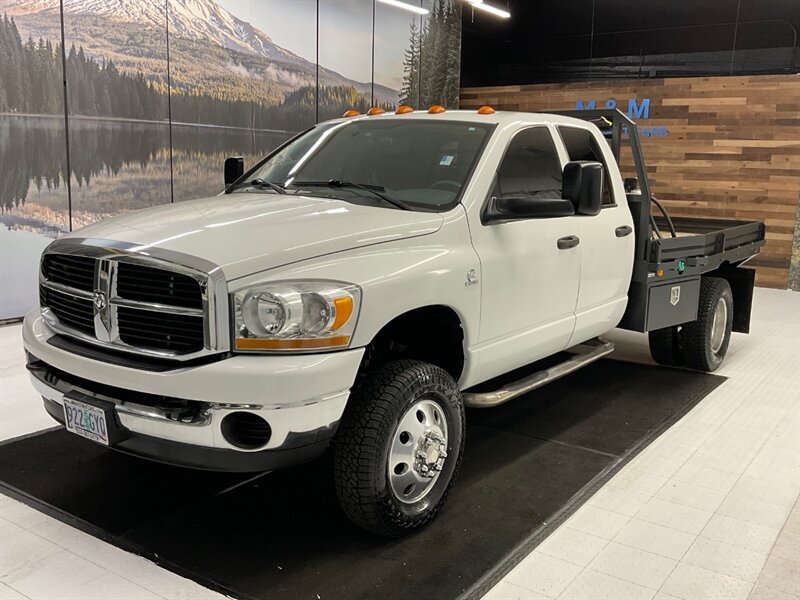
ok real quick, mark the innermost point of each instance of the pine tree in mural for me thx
(30, 79)
(432, 61)
(409, 93)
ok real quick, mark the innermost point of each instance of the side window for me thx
(530, 166)
(582, 145)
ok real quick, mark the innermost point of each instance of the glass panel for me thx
(397, 53)
(240, 88)
(345, 57)
(582, 145)
(530, 166)
(440, 54)
(118, 114)
(34, 206)
(421, 163)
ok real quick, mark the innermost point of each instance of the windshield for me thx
(419, 164)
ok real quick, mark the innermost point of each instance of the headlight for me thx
(295, 315)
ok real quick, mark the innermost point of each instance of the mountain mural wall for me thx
(158, 92)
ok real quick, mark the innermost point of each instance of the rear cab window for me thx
(582, 145)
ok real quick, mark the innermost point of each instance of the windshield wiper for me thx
(263, 183)
(375, 190)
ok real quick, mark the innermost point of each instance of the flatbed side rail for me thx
(709, 236)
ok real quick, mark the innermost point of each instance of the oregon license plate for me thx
(86, 421)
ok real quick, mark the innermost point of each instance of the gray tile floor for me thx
(706, 511)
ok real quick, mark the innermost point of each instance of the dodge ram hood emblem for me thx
(675, 295)
(99, 300)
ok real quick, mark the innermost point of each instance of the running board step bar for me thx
(583, 354)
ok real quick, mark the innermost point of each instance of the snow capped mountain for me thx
(104, 27)
(200, 20)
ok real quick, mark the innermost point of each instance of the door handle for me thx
(568, 242)
(623, 230)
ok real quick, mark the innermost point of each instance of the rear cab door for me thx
(607, 239)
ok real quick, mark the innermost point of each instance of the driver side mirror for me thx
(234, 169)
(582, 185)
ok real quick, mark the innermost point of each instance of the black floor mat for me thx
(528, 465)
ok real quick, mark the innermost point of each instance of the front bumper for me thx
(174, 416)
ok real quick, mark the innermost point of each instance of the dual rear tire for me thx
(703, 343)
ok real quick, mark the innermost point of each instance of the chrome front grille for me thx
(71, 311)
(73, 271)
(147, 284)
(162, 331)
(131, 301)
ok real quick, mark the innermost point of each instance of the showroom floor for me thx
(709, 510)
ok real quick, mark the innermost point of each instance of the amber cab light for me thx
(403, 110)
(375, 110)
(485, 110)
(351, 113)
(436, 109)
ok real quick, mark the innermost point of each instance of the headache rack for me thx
(675, 251)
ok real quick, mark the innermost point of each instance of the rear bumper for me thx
(175, 416)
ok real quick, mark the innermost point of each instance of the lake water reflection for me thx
(116, 167)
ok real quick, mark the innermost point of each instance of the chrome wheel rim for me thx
(418, 451)
(719, 325)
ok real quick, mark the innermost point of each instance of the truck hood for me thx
(247, 233)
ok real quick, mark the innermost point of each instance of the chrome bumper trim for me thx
(54, 388)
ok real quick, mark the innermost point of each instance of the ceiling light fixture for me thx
(415, 9)
(498, 12)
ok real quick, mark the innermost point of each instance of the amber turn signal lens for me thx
(351, 113)
(403, 110)
(375, 110)
(485, 110)
(344, 308)
(436, 109)
(291, 344)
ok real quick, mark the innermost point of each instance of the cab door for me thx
(530, 267)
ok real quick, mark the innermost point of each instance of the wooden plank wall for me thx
(731, 150)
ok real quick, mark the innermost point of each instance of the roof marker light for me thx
(436, 109)
(485, 110)
(375, 110)
(351, 113)
(403, 110)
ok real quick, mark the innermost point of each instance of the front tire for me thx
(399, 447)
(705, 340)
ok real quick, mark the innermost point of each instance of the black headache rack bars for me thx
(665, 286)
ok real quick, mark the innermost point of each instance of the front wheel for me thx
(399, 447)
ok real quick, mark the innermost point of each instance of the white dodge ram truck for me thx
(353, 288)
